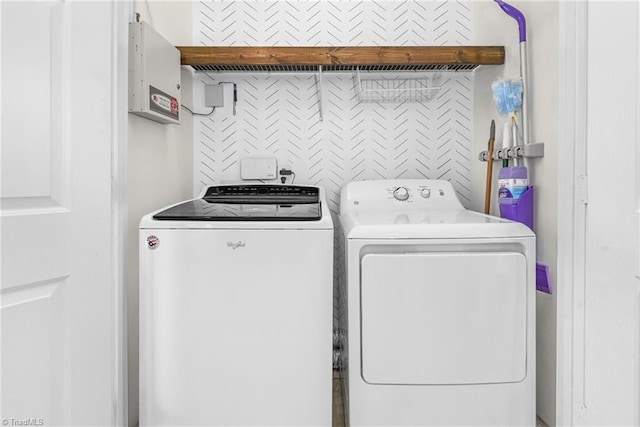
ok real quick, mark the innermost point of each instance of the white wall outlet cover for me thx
(258, 168)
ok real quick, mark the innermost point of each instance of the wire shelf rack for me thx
(397, 89)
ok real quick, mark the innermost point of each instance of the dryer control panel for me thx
(402, 194)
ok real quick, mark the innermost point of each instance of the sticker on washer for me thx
(153, 242)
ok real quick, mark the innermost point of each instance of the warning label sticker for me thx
(164, 103)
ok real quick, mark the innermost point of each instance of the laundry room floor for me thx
(338, 406)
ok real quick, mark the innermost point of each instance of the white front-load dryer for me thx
(438, 309)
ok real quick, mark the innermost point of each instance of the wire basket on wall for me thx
(397, 89)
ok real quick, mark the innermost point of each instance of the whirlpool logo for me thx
(236, 245)
(152, 242)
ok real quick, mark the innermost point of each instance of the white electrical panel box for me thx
(154, 75)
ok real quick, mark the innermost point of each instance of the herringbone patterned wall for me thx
(278, 115)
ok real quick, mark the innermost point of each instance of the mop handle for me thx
(518, 16)
(522, 30)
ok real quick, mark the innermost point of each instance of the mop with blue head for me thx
(507, 94)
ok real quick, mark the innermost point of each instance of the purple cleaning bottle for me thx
(515, 196)
(512, 183)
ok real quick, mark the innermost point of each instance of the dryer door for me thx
(443, 317)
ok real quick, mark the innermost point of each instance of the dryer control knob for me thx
(401, 193)
(425, 192)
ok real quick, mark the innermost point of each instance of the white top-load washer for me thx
(440, 309)
(236, 309)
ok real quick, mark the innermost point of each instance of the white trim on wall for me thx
(119, 114)
(637, 223)
(637, 229)
(572, 194)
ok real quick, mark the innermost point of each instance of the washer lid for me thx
(416, 224)
(247, 206)
(205, 210)
(249, 203)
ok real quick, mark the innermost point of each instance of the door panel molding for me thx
(35, 152)
(31, 292)
(19, 206)
(39, 248)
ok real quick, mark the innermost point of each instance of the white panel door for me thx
(58, 288)
(599, 243)
(444, 318)
(611, 358)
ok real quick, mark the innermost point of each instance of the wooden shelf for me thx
(366, 58)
